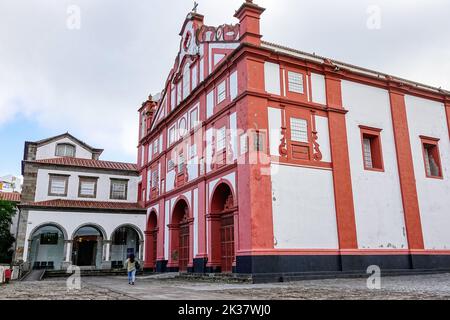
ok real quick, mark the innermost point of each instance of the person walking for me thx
(132, 265)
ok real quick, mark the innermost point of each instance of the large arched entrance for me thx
(180, 238)
(222, 228)
(47, 248)
(151, 239)
(125, 241)
(87, 247)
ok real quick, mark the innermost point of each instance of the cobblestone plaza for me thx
(423, 287)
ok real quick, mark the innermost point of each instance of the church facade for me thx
(261, 159)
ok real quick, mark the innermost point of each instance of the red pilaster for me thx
(202, 220)
(343, 191)
(249, 15)
(447, 112)
(406, 171)
(255, 208)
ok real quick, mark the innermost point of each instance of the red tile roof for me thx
(89, 163)
(78, 204)
(10, 196)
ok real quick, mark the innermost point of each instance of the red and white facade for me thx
(261, 159)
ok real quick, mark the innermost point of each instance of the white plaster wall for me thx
(234, 85)
(233, 134)
(48, 151)
(166, 229)
(71, 221)
(274, 115)
(428, 118)
(377, 195)
(323, 135)
(304, 216)
(318, 88)
(103, 186)
(210, 104)
(170, 180)
(195, 211)
(208, 151)
(272, 78)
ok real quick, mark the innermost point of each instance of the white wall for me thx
(318, 88)
(323, 135)
(71, 221)
(377, 195)
(304, 216)
(272, 78)
(428, 118)
(48, 151)
(103, 185)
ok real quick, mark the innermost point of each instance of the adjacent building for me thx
(262, 159)
(10, 183)
(77, 209)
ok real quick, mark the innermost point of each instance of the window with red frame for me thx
(371, 147)
(432, 159)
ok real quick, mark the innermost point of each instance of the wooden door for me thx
(184, 247)
(227, 243)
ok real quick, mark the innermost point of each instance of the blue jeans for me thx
(131, 276)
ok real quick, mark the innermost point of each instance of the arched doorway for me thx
(47, 248)
(222, 227)
(180, 238)
(125, 241)
(151, 241)
(87, 247)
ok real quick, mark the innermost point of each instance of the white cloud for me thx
(92, 81)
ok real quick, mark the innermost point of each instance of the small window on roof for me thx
(65, 150)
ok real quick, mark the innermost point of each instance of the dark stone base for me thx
(288, 268)
(200, 265)
(161, 266)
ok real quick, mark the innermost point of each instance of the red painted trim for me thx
(407, 177)
(343, 190)
(447, 113)
(332, 252)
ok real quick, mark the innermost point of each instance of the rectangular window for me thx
(173, 98)
(58, 185)
(432, 158)
(49, 238)
(186, 81)
(172, 136)
(179, 89)
(119, 189)
(87, 187)
(65, 150)
(299, 130)
(181, 162)
(371, 148)
(194, 118)
(221, 92)
(194, 77)
(170, 165)
(155, 179)
(243, 144)
(193, 151)
(221, 138)
(295, 82)
(233, 85)
(156, 146)
(258, 141)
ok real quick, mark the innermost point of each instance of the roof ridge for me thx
(364, 69)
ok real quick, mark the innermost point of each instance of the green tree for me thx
(7, 212)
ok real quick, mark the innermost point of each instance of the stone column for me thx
(67, 254)
(106, 263)
(141, 250)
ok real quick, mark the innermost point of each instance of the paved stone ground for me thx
(423, 287)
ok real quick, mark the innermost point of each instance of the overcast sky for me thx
(90, 81)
